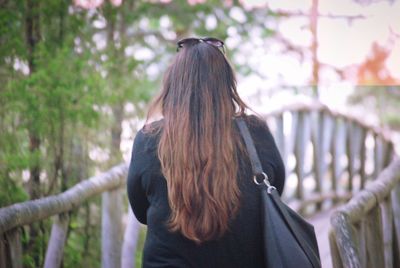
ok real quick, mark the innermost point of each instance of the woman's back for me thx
(240, 246)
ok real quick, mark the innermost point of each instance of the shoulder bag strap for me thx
(251, 149)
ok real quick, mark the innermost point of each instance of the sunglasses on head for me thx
(209, 40)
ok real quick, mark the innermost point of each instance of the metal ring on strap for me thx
(265, 181)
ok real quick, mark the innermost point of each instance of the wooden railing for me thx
(328, 156)
(109, 184)
(366, 231)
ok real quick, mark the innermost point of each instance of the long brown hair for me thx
(198, 144)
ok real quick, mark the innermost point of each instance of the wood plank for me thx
(111, 228)
(388, 234)
(328, 128)
(354, 139)
(360, 230)
(335, 256)
(58, 236)
(363, 158)
(348, 145)
(395, 196)
(291, 140)
(374, 239)
(345, 240)
(129, 245)
(313, 198)
(379, 155)
(280, 137)
(3, 252)
(13, 238)
(390, 153)
(318, 155)
(338, 147)
(303, 137)
(293, 130)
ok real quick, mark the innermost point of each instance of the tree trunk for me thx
(32, 31)
(116, 131)
(314, 47)
(118, 106)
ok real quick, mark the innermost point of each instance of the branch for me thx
(286, 14)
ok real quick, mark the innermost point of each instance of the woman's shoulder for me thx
(148, 136)
(255, 122)
(152, 129)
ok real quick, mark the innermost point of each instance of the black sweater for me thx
(240, 246)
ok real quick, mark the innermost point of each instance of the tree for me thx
(65, 94)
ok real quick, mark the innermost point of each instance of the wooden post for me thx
(328, 126)
(388, 234)
(318, 154)
(361, 242)
(111, 229)
(280, 137)
(378, 156)
(55, 248)
(345, 240)
(395, 196)
(293, 132)
(291, 141)
(337, 152)
(300, 151)
(13, 238)
(363, 158)
(334, 162)
(374, 239)
(356, 144)
(349, 141)
(335, 256)
(389, 154)
(131, 236)
(3, 252)
(322, 140)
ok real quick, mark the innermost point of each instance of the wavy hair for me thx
(198, 143)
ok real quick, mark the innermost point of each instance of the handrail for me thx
(27, 212)
(332, 134)
(321, 107)
(371, 216)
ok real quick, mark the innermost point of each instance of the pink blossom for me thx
(88, 4)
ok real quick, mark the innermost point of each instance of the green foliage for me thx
(381, 100)
(11, 34)
(83, 244)
(64, 88)
(139, 247)
(37, 244)
(11, 193)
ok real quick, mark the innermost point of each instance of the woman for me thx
(190, 178)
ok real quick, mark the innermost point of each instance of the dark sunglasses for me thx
(209, 40)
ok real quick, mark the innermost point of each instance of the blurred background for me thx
(76, 78)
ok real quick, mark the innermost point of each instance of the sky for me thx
(343, 44)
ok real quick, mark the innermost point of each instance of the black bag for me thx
(289, 240)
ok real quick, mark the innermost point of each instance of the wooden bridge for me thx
(342, 174)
